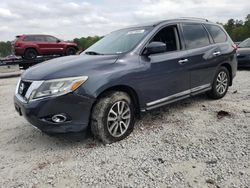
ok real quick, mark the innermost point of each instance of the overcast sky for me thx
(68, 19)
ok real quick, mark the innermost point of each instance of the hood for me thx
(243, 51)
(70, 66)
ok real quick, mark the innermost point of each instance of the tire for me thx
(107, 126)
(30, 53)
(71, 51)
(220, 84)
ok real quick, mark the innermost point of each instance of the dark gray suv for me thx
(129, 71)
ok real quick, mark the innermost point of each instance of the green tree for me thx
(83, 43)
(5, 48)
(238, 30)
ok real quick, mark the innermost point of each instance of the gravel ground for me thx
(186, 144)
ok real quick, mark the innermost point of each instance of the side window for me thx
(195, 36)
(51, 39)
(29, 38)
(169, 36)
(39, 39)
(217, 33)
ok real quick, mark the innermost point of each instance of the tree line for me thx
(5, 48)
(238, 30)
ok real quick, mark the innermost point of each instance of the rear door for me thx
(202, 56)
(41, 43)
(226, 49)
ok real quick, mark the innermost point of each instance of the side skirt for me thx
(177, 97)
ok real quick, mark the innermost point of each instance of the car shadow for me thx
(244, 69)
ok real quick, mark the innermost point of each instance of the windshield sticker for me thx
(136, 32)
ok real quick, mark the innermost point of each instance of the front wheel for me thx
(220, 84)
(113, 117)
(70, 51)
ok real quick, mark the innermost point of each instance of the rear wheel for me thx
(70, 51)
(113, 117)
(220, 84)
(30, 53)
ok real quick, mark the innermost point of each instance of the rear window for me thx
(195, 36)
(217, 33)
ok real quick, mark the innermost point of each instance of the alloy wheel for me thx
(221, 83)
(119, 118)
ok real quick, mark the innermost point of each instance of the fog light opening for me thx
(59, 118)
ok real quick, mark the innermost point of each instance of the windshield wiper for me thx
(93, 53)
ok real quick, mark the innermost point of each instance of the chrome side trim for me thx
(169, 98)
(195, 89)
(177, 96)
(167, 102)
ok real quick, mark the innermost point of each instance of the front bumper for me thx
(76, 108)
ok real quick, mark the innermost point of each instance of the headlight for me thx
(57, 87)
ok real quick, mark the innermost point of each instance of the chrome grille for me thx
(23, 87)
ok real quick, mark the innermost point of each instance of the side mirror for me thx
(155, 47)
(58, 40)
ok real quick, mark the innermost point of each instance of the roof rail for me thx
(193, 18)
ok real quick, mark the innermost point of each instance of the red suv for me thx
(31, 46)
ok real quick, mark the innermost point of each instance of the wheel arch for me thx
(70, 46)
(127, 89)
(33, 48)
(229, 68)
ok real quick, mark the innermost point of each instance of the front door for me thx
(53, 45)
(167, 77)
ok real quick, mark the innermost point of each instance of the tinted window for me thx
(51, 39)
(169, 36)
(34, 38)
(217, 33)
(245, 44)
(195, 36)
(29, 38)
(40, 38)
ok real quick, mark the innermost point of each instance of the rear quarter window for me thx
(195, 36)
(217, 33)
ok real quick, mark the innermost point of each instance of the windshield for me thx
(245, 44)
(118, 42)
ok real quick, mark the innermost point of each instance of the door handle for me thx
(182, 61)
(216, 53)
